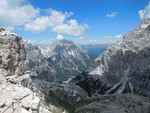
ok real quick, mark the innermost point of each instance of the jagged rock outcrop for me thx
(12, 54)
(123, 67)
(14, 98)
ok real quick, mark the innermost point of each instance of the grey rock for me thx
(67, 93)
(117, 104)
(12, 54)
(13, 81)
(123, 67)
(2, 104)
(20, 110)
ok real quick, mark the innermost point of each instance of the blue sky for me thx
(83, 21)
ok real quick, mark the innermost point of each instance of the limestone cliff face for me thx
(123, 66)
(15, 98)
(12, 54)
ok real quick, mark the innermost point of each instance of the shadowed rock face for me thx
(12, 54)
(139, 74)
(117, 104)
(123, 65)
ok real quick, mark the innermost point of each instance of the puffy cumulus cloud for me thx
(59, 37)
(145, 13)
(102, 40)
(15, 13)
(42, 22)
(112, 14)
(39, 24)
(57, 22)
(111, 39)
(70, 28)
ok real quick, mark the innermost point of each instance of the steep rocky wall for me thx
(123, 67)
(12, 54)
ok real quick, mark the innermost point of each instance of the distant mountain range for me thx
(96, 49)
(62, 59)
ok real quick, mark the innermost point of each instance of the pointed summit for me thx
(144, 24)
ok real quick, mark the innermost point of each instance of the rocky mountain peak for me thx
(2, 29)
(63, 43)
(144, 24)
(63, 47)
(4, 32)
(63, 57)
(123, 64)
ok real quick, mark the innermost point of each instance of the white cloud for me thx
(102, 40)
(111, 39)
(59, 37)
(41, 23)
(112, 14)
(19, 13)
(145, 13)
(118, 36)
(57, 22)
(15, 13)
(70, 28)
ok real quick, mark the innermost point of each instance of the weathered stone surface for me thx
(17, 96)
(20, 110)
(12, 54)
(14, 98)
(68, 93)
(117, 104)
(2, 104)
(123, 67)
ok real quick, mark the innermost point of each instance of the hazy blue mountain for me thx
(96, 49)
